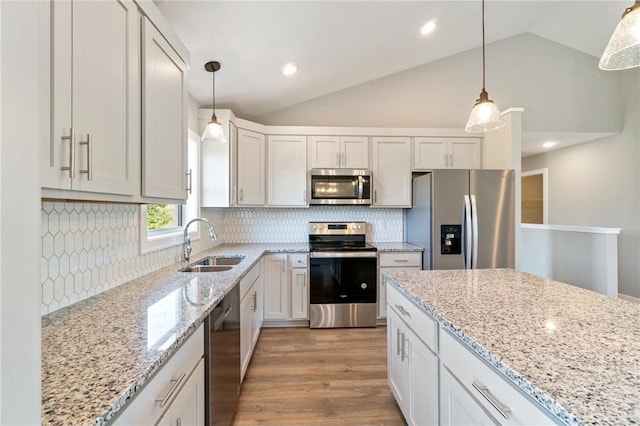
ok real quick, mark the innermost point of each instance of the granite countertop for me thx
(98, 352)
(575, 351)
(396, 247)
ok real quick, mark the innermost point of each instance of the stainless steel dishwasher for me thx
(222, 352)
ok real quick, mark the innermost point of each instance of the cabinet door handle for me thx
(404, 355)
(398, 341)
(89, 170)
(450, 160)
(338, 159)
(190, 181)
(241, 194)
(72, 154)
(304, 196)
(176, 384)
(402, 310)
(178, 421)
(486, 394)
(375, 196)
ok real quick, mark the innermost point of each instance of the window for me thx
(164, 222)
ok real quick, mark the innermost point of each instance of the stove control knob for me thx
(359, 227)
(313, 227)
(353, 226)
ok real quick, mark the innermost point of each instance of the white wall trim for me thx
(545, 190)
(629, 298)
(571, 228)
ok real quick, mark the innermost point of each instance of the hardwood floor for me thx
(300, 376)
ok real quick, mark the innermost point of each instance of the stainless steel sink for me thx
(213, 264)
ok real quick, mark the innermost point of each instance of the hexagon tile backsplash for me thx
(88, 248)
(259, 225)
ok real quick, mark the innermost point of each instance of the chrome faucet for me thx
(187, 238)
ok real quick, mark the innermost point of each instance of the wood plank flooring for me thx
(300, 376)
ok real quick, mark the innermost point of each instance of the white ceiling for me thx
(339, 44)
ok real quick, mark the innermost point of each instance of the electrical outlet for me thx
(114, 249)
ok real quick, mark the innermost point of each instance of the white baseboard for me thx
(629, 298)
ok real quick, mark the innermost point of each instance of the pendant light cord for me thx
(483, 54)
(213, 90)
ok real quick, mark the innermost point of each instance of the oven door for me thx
(342, 277)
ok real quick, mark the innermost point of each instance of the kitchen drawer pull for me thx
(401, 260)
(72, 154)
(484, 391)
(402, 310)
(89, 170)
(174, 387)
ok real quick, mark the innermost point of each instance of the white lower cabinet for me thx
(470, 392)
(286, 288)
(175, 392)
(250, 315)
(394, 261)
(188, 407)
(413, 372)
(457, 407)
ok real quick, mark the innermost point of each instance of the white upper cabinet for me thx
(446, 153)
(391, 172)
(251, 153)
(346, 152)
(94, 143)
(164, 114)
(287, 171)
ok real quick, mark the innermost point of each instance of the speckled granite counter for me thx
(396, 247)
(575, 351)
(97, 353)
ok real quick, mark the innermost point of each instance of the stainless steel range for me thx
(343, 276)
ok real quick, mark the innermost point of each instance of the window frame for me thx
(155, 240)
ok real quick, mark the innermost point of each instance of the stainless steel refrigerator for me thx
(464, 219)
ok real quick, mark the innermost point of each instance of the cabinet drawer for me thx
(298, 260)
(144, 408)
(469, 369)
(422, 324)
(249, 279)
(400, 259)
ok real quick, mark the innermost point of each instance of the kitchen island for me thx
(573, 352)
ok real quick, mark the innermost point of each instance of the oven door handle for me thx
(326, 254)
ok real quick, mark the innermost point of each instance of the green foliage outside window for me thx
(161, 216)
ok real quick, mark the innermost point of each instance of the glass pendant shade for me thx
(213, 132)
(623, 50)
(485, 116)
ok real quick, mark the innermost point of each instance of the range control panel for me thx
(337, 228)
(450, 239)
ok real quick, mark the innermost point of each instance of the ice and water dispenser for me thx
(450, 239)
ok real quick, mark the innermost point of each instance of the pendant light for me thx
(485, 115)
(623, 50)
(213, 132)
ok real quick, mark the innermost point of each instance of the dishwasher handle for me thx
(218, 322)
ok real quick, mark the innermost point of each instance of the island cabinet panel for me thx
(457, 406)
(176, 390)
(493, 393)
(436, 379)
(413, 372)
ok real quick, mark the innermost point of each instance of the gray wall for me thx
(598, 183)
(554, 84)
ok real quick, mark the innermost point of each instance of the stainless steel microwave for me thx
(339, 186)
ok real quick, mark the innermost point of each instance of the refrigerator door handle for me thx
(466, 233)
(474, 216)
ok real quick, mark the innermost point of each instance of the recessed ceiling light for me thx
(428, 27)
(289, 69)
(549, 144)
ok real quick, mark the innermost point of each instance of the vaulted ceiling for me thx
(339, 44)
